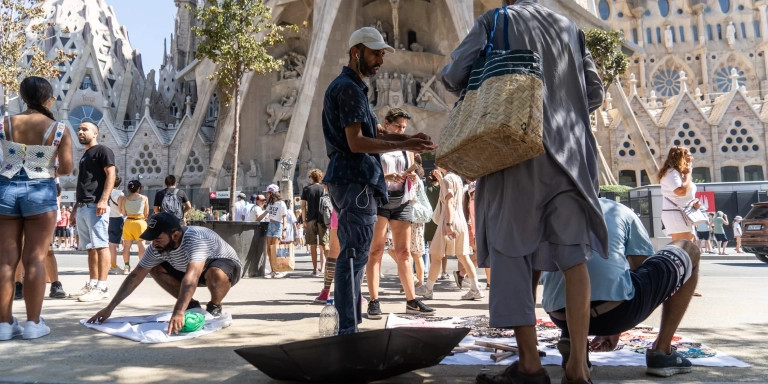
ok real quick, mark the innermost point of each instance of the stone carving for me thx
(382, 89)
(280, 111)
(293, 66)
(429, 99)
(379, 27)
(668, 38)
(416, 47)
(396, 91)
(395, 21)
(409, 89)
(730, 34)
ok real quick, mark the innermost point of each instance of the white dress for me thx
(671, 217)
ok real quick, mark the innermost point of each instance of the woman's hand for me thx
(448, 231)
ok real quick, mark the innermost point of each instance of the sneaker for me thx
(57, 291)
(374, 310)
(424, 292)
(270, 275)
(564, 347)
(34, 330)
(458, 278)
(193, 304)
(127, 269)
(315, 273)
(323, 296)
(661, 364)
(84, 290)
(19, 293)
(115, 271)
(279, 275)
(444, 276)
(94, 295)
(513, 375)
(213, 309)
(416, 307)
(9, 331)
(473, 295)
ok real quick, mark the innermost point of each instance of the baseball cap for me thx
(371, 38)
(272, 188)
(241, 195)
(159, 223)
(738, 218)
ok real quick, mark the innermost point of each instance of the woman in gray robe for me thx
(542, 214)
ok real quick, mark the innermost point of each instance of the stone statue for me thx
(730, 33)
(396, 91)
(293, 66)
(416, 47)
(409, 89)
(395, 20)
(281, 111)
(429, 99)
(255, 172)
(382, 90)
(668, 37)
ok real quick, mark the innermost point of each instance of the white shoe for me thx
(423, 291)
(9, 331)
(33, 331)
(84, 290)
(115, 271)
(279, 275)
(473, 295)
(94, 295)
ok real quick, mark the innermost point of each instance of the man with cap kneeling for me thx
(179, 260)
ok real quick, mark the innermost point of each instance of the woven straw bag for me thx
(497, 121)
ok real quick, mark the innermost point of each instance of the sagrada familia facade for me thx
(698, 77)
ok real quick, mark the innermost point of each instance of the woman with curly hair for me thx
(678, 190)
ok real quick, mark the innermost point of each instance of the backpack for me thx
(325, 209)
(172, 204)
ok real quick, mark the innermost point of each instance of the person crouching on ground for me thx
(179, 260)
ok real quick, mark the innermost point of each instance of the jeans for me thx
(92, 229)
(356, 207)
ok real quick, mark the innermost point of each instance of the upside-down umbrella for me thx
(359, 357)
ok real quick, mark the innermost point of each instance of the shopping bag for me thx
(284, 260)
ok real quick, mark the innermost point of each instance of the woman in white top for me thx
(276, 230)
(116, 222)
(135, 208)
(678, 190)
(737, 232)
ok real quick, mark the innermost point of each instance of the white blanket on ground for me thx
(622, 357)
(154, 328)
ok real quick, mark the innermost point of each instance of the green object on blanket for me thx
(193, 322)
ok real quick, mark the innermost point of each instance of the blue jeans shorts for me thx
(21, 196)
(92, 230)
(275, 229)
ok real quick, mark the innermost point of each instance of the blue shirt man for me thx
(355, 180)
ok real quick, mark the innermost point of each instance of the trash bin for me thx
(249, 239)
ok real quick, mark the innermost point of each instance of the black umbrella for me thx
(359, 357)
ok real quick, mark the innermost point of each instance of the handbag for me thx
(497, 121)
(284, 260)
(692, 216)
(422, 210)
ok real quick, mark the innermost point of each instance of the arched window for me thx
(730, 173)
(682, 34)
(701, 175)
(725, 5)
(84, 113)
(667, 82)
(753, 173)
(664, 8)
(628, 177)
(213, 108)
(605, 9)
(174, 109)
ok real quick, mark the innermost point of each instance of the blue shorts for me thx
(92, 230)
(275, 229)
(21, 196)
(115, 230)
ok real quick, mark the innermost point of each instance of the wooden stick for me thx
(496, 357)
(503, 347)
(478, 348)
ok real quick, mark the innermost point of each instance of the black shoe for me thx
(193, 304)
(374, 310)
(57, 291)
(213, 309)
(416, 307)
(18, 295)
(458, 278)
(513, 375)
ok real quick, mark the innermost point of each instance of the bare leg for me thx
(93, 264)
(218, 284)
(526, 337)
(51, 267)
(10, 255)
(313, 253)
(103, 263)
(126, 251)
(373, 267)
(577, 299)
(38, 230)
(166, 281)
(270, 252)
(418, 264)
(401, 237)
(443, 264)
(113, 254)
(140, 244)
(675, 306)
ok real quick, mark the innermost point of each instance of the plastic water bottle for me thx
(329, 320)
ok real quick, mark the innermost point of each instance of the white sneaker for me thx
(115, 271)
(84, 290)
(444, 276)
(279, 275)
(423, 291)
(270, 275)
(9, 331)
(473, 295)
(33, 331)
(94, 295)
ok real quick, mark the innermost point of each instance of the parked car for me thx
(755, 226)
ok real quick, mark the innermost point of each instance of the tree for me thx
(605, 47)
(22, 33)
(235, 35)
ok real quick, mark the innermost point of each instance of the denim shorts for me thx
(275, 229)
(92, 230)
(21, 196)
(115, 229)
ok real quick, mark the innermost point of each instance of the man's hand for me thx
(176, 323)
(417, 143)
(604, 343)
(394, 178)
(101, 208)
(100, 316)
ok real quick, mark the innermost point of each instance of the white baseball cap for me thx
(272, 188)
(371, 38)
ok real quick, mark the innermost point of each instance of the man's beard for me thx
(169, 247)
(84, 141)
(365, 69)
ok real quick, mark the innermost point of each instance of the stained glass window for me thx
(723, 78)
(667, 82)
(84, 113)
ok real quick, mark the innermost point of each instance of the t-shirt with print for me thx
(197, 244)
(91, 175)
(276, 211)
(311, 194)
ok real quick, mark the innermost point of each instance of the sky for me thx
(148, 23)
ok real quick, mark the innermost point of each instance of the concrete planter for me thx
(249, 239)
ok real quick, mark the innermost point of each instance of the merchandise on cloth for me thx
(631, 350)
(498, 119)
(154, 328)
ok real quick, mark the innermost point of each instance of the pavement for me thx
(272, 311)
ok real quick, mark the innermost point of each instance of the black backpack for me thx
(325, 209)
(172, 204)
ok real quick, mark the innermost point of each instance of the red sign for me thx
(707, 200)
(212, 195)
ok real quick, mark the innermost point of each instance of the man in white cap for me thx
(353, 139)
(241, 208)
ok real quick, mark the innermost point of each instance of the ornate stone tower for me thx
(183, 45)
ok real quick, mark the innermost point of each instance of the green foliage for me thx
(605, 47)
(615, 188)
(235, 35)
(22, 33)
(194, 214)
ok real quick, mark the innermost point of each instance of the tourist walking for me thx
(172, 199)
(677, 190)
(276, 212)
(135, 208)
(422, 213)
(62, 228)
(720, 220)
(395, 215)
(116, 222)
(737, 232)
(31, 142)
(315, 230)
(557, 190)
(95, 180)
(354, 177)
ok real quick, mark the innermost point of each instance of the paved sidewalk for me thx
(265, 311)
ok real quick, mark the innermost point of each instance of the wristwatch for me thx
(448, 223)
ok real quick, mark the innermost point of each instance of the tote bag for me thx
(497, 121)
